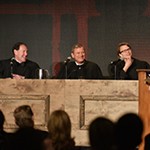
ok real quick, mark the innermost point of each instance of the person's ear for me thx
(120, 55)
(33, 118)
(72, 55)
(15, 51)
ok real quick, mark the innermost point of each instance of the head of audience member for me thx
(78, 53)
(24, 116)
(101, 134)
(129, 129)
(2, 120)
(124, 50)
(20, 52)
(59, 127)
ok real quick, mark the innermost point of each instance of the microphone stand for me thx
(115, 67)
(115, 71)
(66, 67)
(66, 71)
(11, 67)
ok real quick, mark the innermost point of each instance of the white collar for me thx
(79, 64)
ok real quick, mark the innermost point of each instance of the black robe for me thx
(26, 69)
(88, 70)
(116, 71)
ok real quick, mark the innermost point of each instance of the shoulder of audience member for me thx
(42, 133)
(147, 136)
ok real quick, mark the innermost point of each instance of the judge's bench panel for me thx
(83, 100)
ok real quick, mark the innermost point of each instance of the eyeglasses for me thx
(125, 50)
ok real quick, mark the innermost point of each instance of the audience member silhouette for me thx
(129, 129)
(102, 134)
(27, 137)
(59, 127)
(4, 136)
(147, 142)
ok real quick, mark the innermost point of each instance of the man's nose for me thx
(26, 54)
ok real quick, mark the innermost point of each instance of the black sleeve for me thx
(5, 69)
(34, 70)
(147, 65)
(30, 70)
(98, 73)
(93, 71)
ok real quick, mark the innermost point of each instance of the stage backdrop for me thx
(51, 27)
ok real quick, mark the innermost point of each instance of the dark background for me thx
(51, 27)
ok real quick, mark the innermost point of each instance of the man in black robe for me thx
(18, 67)
(80, 68)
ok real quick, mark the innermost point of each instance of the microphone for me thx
(115, 66)
(11, 65)
(116, 61)
(11, 61)
(67, 60)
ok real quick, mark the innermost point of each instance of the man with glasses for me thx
(126, 66)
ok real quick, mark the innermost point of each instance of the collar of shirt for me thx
(79, 64)
(18, 63)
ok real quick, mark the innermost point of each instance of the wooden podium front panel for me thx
(83, 100)
(144, 102)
